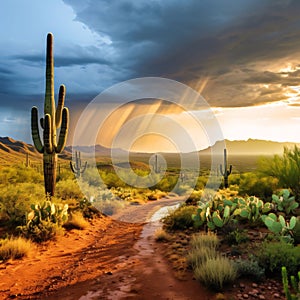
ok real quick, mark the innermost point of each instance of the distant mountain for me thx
(12, 151)
(99, 150)
(254, 147)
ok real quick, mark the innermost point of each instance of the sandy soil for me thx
(111, 259)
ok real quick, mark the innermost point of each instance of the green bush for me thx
(68, 189)
(216, 272)
(255, 184)
(181, 218)
(236, 237)
(285, 168)
(15, 200)
(19, 174)
(272, 256)
(249, 268)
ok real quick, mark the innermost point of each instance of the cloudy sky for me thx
(242, 56)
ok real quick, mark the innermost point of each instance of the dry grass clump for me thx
(197, 257)
(15, 248)
(77, 221)
(209, 240)
(162, 236)
(210, 267)
(216, 272)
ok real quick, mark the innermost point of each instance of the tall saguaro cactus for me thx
(53, 119)
(78, 169)
(226, 172)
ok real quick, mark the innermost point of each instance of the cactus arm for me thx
(221, 171)
(63, 131)
(84, 168)
(60, 105)
(72, 168)
(49, 94)
(35, 130)
(48, 134)
(230, 169)
(42, 122)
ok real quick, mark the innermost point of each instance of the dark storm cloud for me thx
(233, 43)
(66, 60)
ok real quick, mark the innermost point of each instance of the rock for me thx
(255, 291)
(245, 296)
(276, 295)
(242, 285)
(261, 297)
(255, 285)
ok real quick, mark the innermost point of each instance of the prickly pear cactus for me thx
(53, 119)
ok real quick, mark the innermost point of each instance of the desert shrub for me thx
(110, 207)
(216, 272)
(162, 236)
(41, 232)
(76, 221)
(272, 256)
(209, 240)
(111, 179)
(296, 232)
(15, 200)
(15, 248)
(166, 184)
(197, 256)
(44, 221)
(254, 184)
(19, 174)
(249, 268)
(285, 168)
(181, 218)
(201, 182)
(236, 237)
(68, 189)
(92, 177)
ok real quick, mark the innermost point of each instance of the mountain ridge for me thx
(15, 151)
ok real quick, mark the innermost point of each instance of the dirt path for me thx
(113, 259)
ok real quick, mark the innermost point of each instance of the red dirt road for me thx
(109, 260)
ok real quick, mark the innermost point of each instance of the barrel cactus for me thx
(54, 118)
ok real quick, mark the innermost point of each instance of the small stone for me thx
(276, 295)
(245, 296)
(242, 285)
(255, 285)
(261, 297)
(255, 291)
(109, 273)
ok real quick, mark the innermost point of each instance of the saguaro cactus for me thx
(226, 172)
(78, 169)
(53, 119)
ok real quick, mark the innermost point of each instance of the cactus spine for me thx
(53, 119)
(77, 168)
(226, 172)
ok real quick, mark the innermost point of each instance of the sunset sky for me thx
(242, 56)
